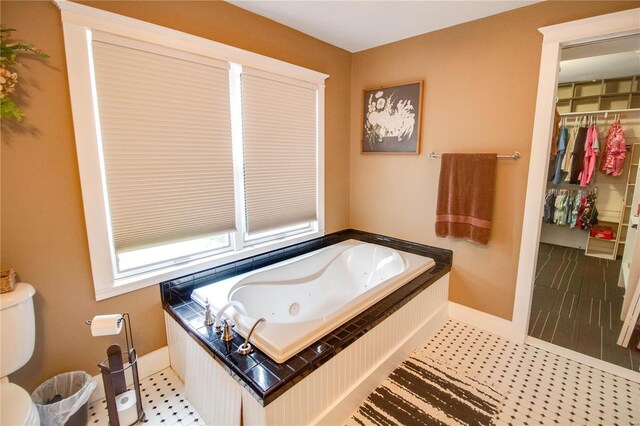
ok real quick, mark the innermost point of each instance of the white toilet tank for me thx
(18, 328)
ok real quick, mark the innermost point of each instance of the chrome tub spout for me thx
(217, 323)
(246, 348)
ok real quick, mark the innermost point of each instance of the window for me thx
(162, 255)
(279, 142)
(191, 153)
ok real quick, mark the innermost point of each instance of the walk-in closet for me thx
(585, 275)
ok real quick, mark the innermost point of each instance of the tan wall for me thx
(479, 96)
(43, 229)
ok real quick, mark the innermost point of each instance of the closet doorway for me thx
(591, 205)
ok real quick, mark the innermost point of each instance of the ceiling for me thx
(618, 57)
(360, 25)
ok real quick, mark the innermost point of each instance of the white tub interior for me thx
(307, 297)
(304, 298)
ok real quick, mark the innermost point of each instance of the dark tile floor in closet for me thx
(577, 304)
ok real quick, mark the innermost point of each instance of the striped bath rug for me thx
(423, 391)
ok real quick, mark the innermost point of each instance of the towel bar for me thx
(514, 156)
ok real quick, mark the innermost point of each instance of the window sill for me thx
(129, 284)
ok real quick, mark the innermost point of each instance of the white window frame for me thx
(78, 22)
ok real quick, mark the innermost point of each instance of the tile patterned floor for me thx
(540, 388)
(577, 304)
(164, 403)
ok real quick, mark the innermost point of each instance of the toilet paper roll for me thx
(126, 406)
(106, 325)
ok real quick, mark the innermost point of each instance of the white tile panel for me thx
(209, 388)
(332, 392)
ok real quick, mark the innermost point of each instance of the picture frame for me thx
(391, 119)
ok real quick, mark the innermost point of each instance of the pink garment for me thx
(591, 151)
(615, 152)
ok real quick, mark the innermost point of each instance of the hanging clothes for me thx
(561, 209)
(549, 207)
(581, 207)
(566, 161)
(591, 150)
(569, 207)
(554, 137)
(577, 156)
(553, 153)
(571, 201)
(562, 147)
(615, 152)
(558, 212)
(575, 211)
(551, 173)
(589, 216)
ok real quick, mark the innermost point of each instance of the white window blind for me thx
(165, 127)
(279, 128)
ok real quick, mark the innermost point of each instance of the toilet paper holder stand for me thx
(113, 372)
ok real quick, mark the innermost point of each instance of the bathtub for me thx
(305, 298)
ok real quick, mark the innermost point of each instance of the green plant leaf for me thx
(9, 59)
(9, 109)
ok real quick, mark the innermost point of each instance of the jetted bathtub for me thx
(304, 298)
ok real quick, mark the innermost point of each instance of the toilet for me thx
(18, 336)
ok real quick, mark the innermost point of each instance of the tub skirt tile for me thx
(214, 393)
(329, 394)
(332, 392)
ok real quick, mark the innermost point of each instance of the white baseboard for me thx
(340, 412)
(148, 365)
(484, 321)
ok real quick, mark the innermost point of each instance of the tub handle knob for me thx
(208, 315)
(246, 348)
(227, 334)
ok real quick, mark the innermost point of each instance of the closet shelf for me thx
(609, 220)
(600, 95)
(600, 254)
(599, 111)
(620, 94)
(572, 186)
(602, 239)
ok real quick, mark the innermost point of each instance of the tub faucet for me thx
(217, 323)
(208, 315)
(227, 334)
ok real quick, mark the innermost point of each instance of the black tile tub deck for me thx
(262, 377)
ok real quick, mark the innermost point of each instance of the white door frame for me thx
(554, 38)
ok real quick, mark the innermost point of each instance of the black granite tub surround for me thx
(261, 376)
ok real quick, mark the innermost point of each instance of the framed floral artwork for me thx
(391, 119)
